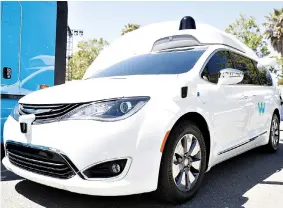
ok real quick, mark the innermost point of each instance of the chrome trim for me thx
(115, 178)
(59, 152)
(241, 144)
(32, 160)
(66, 109)
(66, 159)
(35, 106)
(14, 157)
(47, 113)
(36, 170)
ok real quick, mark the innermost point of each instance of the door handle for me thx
(243, 98)
(247, 96)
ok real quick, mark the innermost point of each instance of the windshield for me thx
(174, 62)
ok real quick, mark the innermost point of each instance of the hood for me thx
(104, 88)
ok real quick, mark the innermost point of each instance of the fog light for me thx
(106, 170)
(116, 168)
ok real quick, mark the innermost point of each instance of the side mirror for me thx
(230, 76)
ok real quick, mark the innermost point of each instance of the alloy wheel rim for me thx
(186, 162)
(274, 133)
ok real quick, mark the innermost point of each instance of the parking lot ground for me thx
(253, 179)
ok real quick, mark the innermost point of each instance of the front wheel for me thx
(274, 135)
(183, 163)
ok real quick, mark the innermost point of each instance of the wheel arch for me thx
(276, 111)
(201, 122)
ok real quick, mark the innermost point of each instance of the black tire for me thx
(273, 146)
(167, 189)
(2, 151)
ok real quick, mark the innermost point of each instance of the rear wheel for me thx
(274, 136)
(183, 163)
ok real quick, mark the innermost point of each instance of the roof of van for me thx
(207, 35)
(141, 41)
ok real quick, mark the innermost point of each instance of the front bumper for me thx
(87, 143)
(77, 185)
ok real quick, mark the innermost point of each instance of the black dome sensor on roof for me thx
(187, 22)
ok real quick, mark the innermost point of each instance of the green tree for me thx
(280, 60)
(129, 28)
(274, 29)
(248, 32)
(280, 81)
(86, 54)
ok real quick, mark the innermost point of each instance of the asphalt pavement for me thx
(253, 180)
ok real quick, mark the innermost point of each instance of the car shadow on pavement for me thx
(224, 186)
(7, 175)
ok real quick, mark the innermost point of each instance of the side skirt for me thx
(241, 144)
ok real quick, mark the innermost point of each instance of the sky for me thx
(106, 19)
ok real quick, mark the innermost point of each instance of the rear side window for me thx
(246, 65)
(220, 60)
(264, 75)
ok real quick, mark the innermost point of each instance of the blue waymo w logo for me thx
(261, 108)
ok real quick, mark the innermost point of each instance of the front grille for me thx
(38, 160)
(47, 113)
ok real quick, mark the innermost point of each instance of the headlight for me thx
(15, 112)
(111, 110)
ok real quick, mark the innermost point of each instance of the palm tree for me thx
(129, 28)
(274, 29)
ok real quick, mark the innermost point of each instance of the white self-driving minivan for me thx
(156, 119)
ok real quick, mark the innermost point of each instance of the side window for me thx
(246, 65)
(264, 75)
(220, 60)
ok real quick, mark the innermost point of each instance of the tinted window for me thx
(264, 75)
(220, 60)
(246, 65)
(175, 62)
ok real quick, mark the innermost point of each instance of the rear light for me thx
(106, 170)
